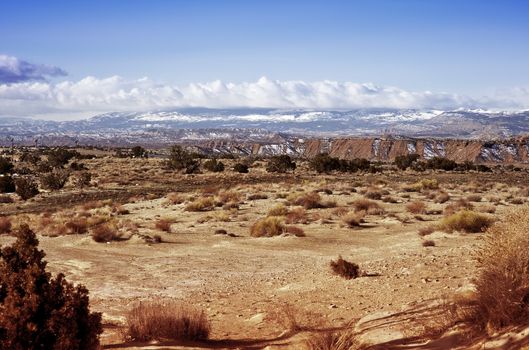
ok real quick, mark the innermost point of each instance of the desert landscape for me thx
(293, 174)
(269, 252)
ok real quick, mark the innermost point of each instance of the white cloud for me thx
(90, 96)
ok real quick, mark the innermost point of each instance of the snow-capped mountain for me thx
(262, 125)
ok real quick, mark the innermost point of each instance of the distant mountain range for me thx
(161, 128)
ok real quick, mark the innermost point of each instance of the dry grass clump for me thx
(516, 201)
(424, 184)
(332, 341)
(222, 216)
(416, 207)
(201, 204)
(163, 225)
(340, 211)
(105, 233)
(502, 288)
(428, 184)
(345, 268)
(428, 243)
(77, 226)
(458, 205)
(229, 196)
(311, 200)
(466, 221)
(166, 320)
(354, 218)
(474, 198)
(175, 198)
(425, 231)
(442, 197)
(278, 210)
(368, 206)
(5, 225)
(267, 227)
(389, 199)
(491, 209)
(96, 204)
(6, 199)
(373, 194)
(257, 196)
(297, 216)
(296, 231)
(494, 199)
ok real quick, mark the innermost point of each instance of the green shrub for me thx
(180, 159)
(405, 161)
(280, 164)
(6, 167)
(54, 180)
(59, 157)
(38, 311)
(7, 185)
(26, 188)
(214, 165)
(240, 168)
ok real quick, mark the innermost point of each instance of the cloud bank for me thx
(25, 92)
(14, 70)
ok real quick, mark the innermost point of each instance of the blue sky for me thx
(469, 48)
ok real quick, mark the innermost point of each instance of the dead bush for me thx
(466, 221)
(516, 201)
(278, 210)
(389, 199)
(229, 196)
(425, 231)
(201, 204)
(491, 209)
(82, 179)
(373, 194)
(175, 198)
(5, 225)
(166, 320)
(297, 216)
(77, 226)
(428, 243)
(368, 206)
(416, 207)
(354, 219)
(458, 205)
(311, 200)
(257, 196)
(5, 199)
(294, 230)
(474, 198)
(340, 211)
(163, 225)
(105, 233)
(267, 227)
(345, 268)
(442, 197)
